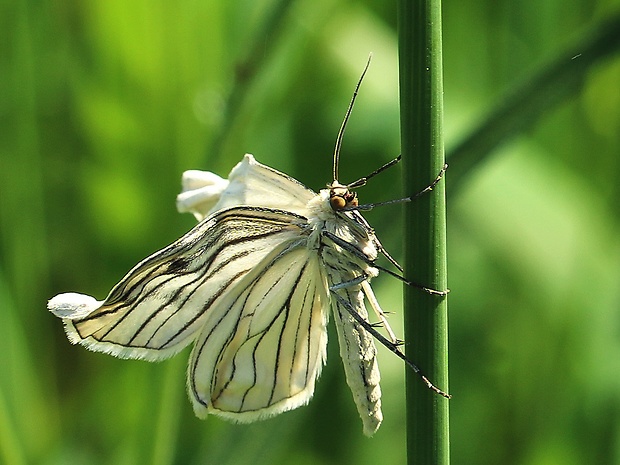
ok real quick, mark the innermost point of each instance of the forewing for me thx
(159, 306)
(261, 185)
(250, 183)
(262, 353)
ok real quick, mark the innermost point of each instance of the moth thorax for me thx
(340, 197)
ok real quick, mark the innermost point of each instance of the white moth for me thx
(252, 287)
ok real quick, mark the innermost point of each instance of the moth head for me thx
(340, 197)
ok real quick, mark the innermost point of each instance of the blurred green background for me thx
(103, 105)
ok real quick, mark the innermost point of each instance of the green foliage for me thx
(104, 104)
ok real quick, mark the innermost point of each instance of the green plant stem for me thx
(421, 109)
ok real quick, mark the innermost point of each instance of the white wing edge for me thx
(73, 306)
(249, 183)
(201, 190)
(296, 401)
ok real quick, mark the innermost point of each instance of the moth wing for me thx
(160, 305)
(262, 353)
(359, 355)
(249, 183)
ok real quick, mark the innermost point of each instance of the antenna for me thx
(346, 120)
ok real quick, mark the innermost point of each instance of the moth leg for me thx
(391, 346)
(432, 185)
(353, 282)
(360, 255)
(428, 290)
(370, 206)
(363, 281)
(374, 303)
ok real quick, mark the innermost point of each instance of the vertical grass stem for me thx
(421, 112)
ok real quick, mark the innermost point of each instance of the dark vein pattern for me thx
(252, 288)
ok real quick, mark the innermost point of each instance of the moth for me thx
(252, 287)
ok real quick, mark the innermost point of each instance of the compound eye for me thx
(337, 202)
(351, 200)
